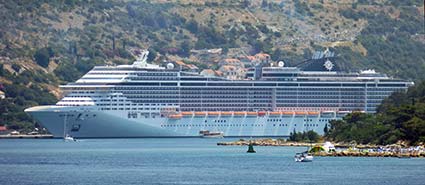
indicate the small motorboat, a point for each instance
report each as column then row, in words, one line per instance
column 303, row 157
column 68, row 138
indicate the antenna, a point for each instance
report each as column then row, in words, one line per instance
column 281, row 64
column 170, row 66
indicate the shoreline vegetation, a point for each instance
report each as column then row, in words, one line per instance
column 22, row 136
column 396, row 130
column 341, row 149
column 399, row 118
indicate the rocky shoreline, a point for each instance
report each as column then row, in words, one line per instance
column 342, row 149
column 369, row 154
column 281, row 142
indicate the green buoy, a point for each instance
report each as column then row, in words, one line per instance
column 250, row 148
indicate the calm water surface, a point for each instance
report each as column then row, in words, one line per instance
column 188, row 161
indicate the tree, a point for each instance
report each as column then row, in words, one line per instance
column 312, row 136
column 192, row 26
column 42, row 56
column 264, row 4
column 277, row 54
column 152, row 55
column 245, row 3
column 325, row 130
column 185, row 47
column 2, row 73
column 398, row 119
column 292, row 135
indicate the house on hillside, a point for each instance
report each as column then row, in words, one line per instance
column 232, row 72
column 262, row 58
column 186, row 67
column 247, row 59
column 3, row 130
column 210, row 73
column 231, row 62
column 259, row 58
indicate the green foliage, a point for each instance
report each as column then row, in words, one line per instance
column 309, row 136
column 2, row 72
column 302, row 8
column 20, row 97
column 405, row 3
column 152, row 55
column 185, row 48
column 389, row 43
column 192, row 26
column 398, row 118
column 326, row 129
column 67, row 72
column 42, row 56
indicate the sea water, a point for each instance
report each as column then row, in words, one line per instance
column 188, row 161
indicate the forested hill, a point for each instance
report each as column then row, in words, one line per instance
column 45, row 43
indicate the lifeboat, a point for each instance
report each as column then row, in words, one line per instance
column 313, row 113
column 287, row 113
column 239, row 113
column 200, row 113
column 261, row 113
column 300, row 113
column 226, row 113
column 274, row 113
column 187, row 113
column 213, row 113
column 175, row 116
column 342, row 113
column 251, row 113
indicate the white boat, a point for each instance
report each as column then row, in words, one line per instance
column 208, row 134
column 68, row 138
column 303, row 157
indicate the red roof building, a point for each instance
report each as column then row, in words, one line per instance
column 3, row 128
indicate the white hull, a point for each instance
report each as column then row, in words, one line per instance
column 88, row 122
column 304, row 159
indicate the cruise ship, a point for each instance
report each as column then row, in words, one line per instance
column 147, row 100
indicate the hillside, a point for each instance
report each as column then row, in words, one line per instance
column 47, row 43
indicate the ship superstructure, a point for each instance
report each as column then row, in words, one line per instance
column 146, row 100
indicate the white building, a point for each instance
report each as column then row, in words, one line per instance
column 2, row 95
